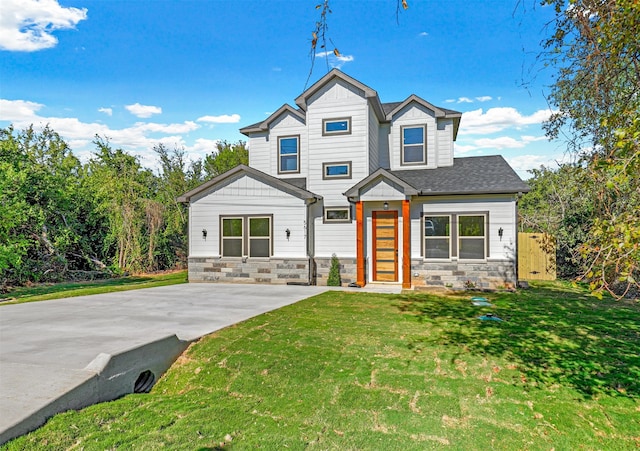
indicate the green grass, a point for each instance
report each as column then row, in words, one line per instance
column 44, row 292
column 358, row 371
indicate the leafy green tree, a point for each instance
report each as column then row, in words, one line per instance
column 176, row 177
column 226, row 156
column 122, row 187
column 595, row 51
column 44, row 227
column 560, row 204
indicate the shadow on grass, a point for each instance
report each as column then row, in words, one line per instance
column 555, row 336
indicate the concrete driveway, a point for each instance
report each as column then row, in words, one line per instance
column 58, row 354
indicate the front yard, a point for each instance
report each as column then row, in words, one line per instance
column 383, row 372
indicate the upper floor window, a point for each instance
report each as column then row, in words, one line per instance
column 341, row 126
column 339, row 170
column 413, row 145
column 288, row 154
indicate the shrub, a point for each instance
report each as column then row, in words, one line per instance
column 334, row 273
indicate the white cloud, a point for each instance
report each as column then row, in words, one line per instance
column 464, row 100
column 79, row 135
column 450, row 100
column 143, row 111
column 498, row 119
column 185, row 127
column 483, row 98
column 16, row 110
column 335, row 61
column 222, row 119
column 424, row 33
column 107, row 111
column 27, row 25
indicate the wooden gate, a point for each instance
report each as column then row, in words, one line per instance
column 536, row 256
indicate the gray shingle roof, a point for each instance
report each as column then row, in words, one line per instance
column 300, row 182
column 469, row 175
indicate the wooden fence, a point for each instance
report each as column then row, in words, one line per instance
column 536, row 256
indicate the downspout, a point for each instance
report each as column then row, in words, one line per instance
column 310, row 249
column 515, row 245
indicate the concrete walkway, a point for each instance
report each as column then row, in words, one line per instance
column 61, row 354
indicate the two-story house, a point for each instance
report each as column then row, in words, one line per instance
column 374, row 183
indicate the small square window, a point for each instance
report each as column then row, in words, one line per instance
column 337, row 214
column 341, row 126
column 337, row 170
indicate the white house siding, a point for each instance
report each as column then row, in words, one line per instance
column 383, row 146
column 285, row 125
column 374, row 152
column 260, row 156
column 337, row 100
column 445, row 142
column 497, row 270
column 336, row 238
column 245, row 195
column 413, row 115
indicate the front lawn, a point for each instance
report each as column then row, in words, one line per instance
column 359, row 371
column 48, row 291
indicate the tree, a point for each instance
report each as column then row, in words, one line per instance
column 595, row 52
column 560, row 204
column 227, row 156
column 45, row 209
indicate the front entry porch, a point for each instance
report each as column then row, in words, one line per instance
column 383, row 235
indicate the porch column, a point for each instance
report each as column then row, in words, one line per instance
column 406, row 244
column 360, row 279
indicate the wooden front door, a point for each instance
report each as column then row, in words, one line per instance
column 385, row 246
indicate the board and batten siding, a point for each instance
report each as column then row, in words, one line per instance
column 247, row 196
column 501, row 210
column 413, row 115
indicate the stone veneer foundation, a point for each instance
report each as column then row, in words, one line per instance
column 455, row 275
column 249, row 270
column 488, row 275
column 348, row 270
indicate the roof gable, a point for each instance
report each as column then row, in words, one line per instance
column 391, row 109
column 370, row 94
column 258, row 175
column 264, row 125
column 379, row 176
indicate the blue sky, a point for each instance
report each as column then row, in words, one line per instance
column 189, row 73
